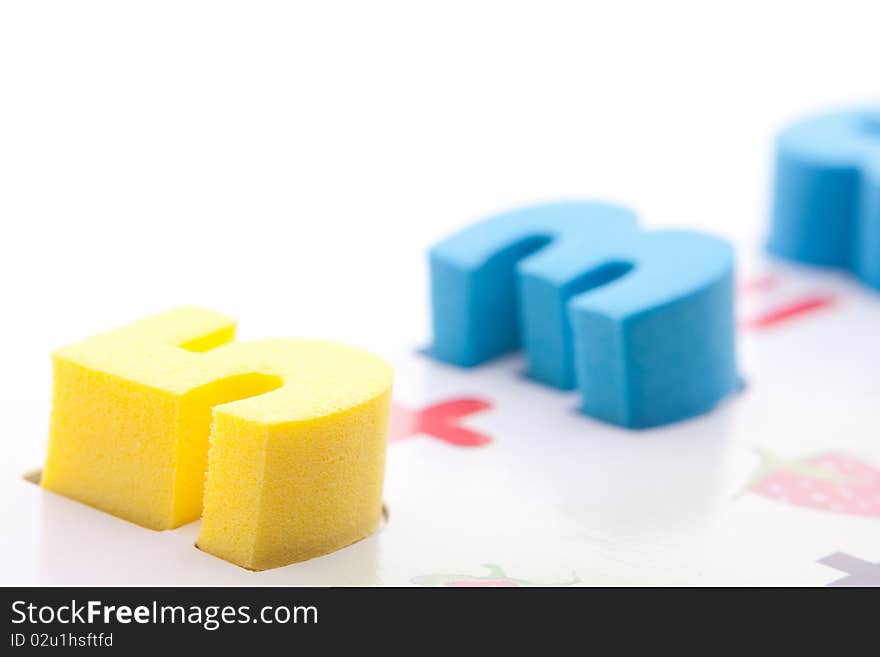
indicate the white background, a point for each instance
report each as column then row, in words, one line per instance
column 289, row 163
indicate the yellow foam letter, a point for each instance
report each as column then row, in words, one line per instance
column 297, row 435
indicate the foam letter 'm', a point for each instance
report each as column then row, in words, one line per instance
column 297, row 432
column 642, row 322
column 826, row 200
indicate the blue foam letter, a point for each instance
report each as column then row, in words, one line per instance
column 641, row 322
column 826, row 201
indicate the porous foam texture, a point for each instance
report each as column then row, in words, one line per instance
column 641, row 322
column 291, row 433
column 826, row 195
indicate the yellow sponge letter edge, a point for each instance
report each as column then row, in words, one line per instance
column 297, row 432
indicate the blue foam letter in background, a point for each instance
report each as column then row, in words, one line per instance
column 826, row 200
column 641, row 322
